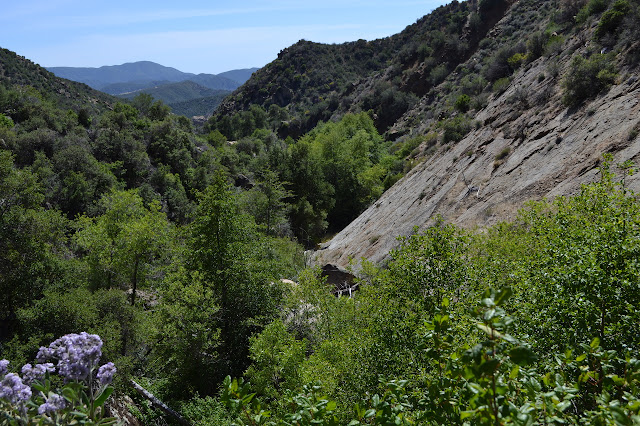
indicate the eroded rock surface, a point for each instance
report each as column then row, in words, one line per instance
column 526, row 146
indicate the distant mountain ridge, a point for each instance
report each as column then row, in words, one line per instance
column 148, row 72
column 187, row 93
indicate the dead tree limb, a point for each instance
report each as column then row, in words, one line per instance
column 159, row 404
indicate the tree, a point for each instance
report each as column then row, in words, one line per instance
column 227, row 269
column 266, row 201
column 30, row 241
column 123, row 243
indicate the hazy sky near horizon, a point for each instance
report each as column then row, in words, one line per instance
column 195, row 36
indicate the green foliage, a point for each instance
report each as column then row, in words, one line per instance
column 566, row 274
column 516, row 60
column 587, row 77
column 591, row 8
column 30, row 240
column 6, row 122
column 612, row 18
column 227, row 289
column 123, row 243
column 500, row 86
column 462, row 103
column 429, row 266
column 456, row 128
column 588, row 261
column 536, row 45
column 266, row 202
column 276, row 360
column 241, row 403
column 335, row 173
column 390, row 408
column 205, row 411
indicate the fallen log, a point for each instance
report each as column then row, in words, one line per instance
column 159, row 404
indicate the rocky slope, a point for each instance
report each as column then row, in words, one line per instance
column 526, row 145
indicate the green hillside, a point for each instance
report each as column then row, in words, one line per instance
column 315, row 81
column 174, row 92
column 16, row 70
column 142, row 255
column 204, row 106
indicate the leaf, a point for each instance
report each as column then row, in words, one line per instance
column 503, row 296
column 522, row 355
column 595, row 343
column 514, row 372
column 466, row 414
column 103, row 396
column 491, row 332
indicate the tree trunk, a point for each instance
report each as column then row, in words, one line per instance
column 134, row 282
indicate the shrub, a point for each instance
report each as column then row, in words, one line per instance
column 456, row 128
column 536, row 44
column 586, row 78
column 5, row 121
column 501, row 85
column 462, row 103
column 516, row 60
column 438, row 74
column 612, row 18
column 591, row 8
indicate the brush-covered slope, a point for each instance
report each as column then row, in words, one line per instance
column 387, row 76
column 17, row 71
column 540, row 133
column 175, row 92
column 199, row 107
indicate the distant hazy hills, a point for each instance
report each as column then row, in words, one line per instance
column 170, row 85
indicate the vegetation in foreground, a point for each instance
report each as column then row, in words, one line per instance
column 120, row 220
column 530, row 322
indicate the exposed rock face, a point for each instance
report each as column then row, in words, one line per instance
column 527, row 146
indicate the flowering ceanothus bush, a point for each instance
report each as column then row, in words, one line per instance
column 30, row 399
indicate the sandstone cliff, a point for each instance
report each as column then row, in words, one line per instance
column 526, row 145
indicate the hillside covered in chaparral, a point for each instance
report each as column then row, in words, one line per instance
column 439, row 227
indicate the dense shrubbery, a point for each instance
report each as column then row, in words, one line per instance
column 612, row 18
column 555, row 342
column 587, row 77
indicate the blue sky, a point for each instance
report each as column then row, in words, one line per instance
column 192, row 36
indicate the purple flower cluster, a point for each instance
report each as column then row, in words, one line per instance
column 34, row 373
column 105, row 373
column 13, row 390
column 4, row 364
column 53, row 403
column 77, row 354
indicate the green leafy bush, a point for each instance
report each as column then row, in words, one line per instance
column 587, row 77
column 501, row 85
column 6, row 122
column 612, row 18
column 462, row 103
column 455, row 128
column 591, row 8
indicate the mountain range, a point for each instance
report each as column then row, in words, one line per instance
column 174, row 87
